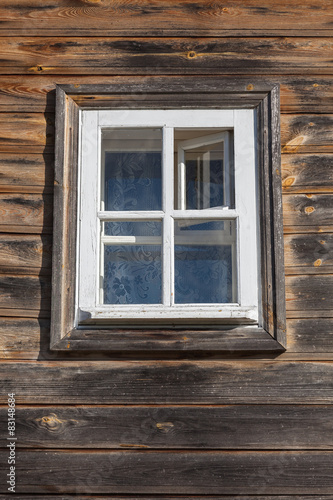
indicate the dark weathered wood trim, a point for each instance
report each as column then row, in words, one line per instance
column 64, row 220
column 70, row 99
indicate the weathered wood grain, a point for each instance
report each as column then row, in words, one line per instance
column 25, row 253
column 34, row 93
column 172, row 497
column 108, row 55
column 32, row 131
column 307, row 210
column 24, row 173
column 308, row 293
column 167, row 472
column 167, row 382
column 25, row 292
column 308, row 253
column 307, row 173
column 310, row 335
column 24, row 337
column 165, row 17
column 277, row 303
column 21, row 211
column 315, row 313
column 306, row 133
column 260, row 427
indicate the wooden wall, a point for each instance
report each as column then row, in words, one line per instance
column 195, row 426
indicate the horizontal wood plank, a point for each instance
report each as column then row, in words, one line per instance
column 165, row 17
column 23, row 252
column 26, row 130
column 307, row 133
column 34, row 93
column 171, row 472
column 25, row 292
column 109, row 55
column 23, row 210
column 306, row 313
column 307, row 173
column 24, row 337
column 24, row 173
column 240, row 427
column 172, row 497
column 309, row 293
column 167, row 382
column 310, row 335
column 307, row 210
column 308, row 253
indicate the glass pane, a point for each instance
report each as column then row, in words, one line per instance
column 205, row 176
column 205, row 262
column 133, row 228
column 132, row 262
column 132, row 274
column 132, row 166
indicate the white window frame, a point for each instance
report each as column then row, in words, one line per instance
column 241, row 121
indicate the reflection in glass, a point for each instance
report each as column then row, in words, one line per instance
column 204, row 177
column 204, row 169
column 205, row 264
column 132, row 169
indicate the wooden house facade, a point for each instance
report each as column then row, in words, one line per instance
column 154, row 413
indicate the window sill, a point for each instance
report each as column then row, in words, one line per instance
column 232, row 340
column 230, row 313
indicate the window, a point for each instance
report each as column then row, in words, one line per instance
column 170, row 206
column 166, row 219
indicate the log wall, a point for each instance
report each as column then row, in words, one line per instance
column 126, row 426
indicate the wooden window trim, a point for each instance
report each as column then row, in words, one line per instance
column 265, row 100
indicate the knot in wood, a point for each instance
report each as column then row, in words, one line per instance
column 52, row 423
column 191, row 54
column 164, row 426
column 289, row 181
column 309, row 210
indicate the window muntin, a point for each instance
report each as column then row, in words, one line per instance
column 233, row 255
